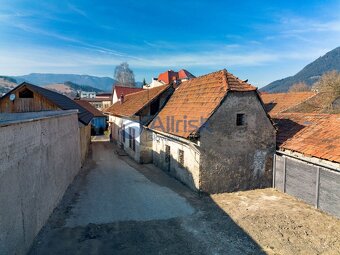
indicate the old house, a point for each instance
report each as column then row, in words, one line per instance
column 30, row 98
column 99, row 120
column 214, row 135
column 129, row 116
column 170, row 76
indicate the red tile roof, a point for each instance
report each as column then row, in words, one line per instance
column 121, row 90
column 279, row 102
column 195, row 101
column 316, row 135
column 89, row 107
column 171, row 75
column 135, row 102
column 184, row 74
column 168, row 76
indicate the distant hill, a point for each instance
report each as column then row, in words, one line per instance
column 309, row 74
column 41, row 79
column 6, row 84
column 70, row 89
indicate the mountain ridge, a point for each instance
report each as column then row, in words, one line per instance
column 309, row 74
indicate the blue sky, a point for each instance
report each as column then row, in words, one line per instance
column 256, row 40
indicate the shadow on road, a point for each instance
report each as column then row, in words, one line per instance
column 206, row 230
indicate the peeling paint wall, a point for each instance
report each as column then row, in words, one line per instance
column 189, row 172
column 235, row 157
column 39, row 158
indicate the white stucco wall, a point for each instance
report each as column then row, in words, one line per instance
column 189, row 174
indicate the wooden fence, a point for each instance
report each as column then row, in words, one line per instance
column 316, row 185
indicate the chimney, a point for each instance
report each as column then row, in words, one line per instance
column 121, row 98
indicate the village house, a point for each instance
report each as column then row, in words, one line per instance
column 170, row 76
column 30, row 98
column 101, row 101
column 129, row 116
column 215, row 136
column 99, row 120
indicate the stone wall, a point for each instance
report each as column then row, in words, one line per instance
column 39, row 157
column 235, row 158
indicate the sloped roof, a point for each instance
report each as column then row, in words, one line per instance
column 89, row 107
column 184, row 74
column 168, row 76
column 61, row 101
column 195, row 101
column 135, row 102
column 317, row 104
column 121, row 90
column 315, row 135
column 279, row 102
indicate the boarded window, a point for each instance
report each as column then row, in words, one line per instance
column 26, row 93
column 132, row 138
column 240, row 119
column 167, row 153
column 181, row 158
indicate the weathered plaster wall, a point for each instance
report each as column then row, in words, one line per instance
column 38, row 160
column 146, row 146
column 85, row 140
column 237, row 157
column 189, row 174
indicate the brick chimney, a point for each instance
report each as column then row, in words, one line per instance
column 121, row 98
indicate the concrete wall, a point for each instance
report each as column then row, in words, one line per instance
column 84, row 140
column 235, row 157
column 39, row 157
column 189, row 173
column 312, row 183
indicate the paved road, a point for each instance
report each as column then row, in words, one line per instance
column 116, row 206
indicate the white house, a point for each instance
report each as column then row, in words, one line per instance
column 129, row 115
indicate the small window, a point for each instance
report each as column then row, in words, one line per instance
column 240, row 119
column 26, row 93
column 167, row 153
column 181, row 158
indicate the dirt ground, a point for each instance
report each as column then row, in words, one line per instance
column 116, row 206
column 281, row 224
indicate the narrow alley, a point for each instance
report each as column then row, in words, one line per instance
column 116, row 206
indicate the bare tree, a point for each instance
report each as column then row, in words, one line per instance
column 124, row 75
column 299, row 87
column 329, row 86
column 329, row 82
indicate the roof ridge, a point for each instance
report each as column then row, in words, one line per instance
column 292, row 106
column 145, row 90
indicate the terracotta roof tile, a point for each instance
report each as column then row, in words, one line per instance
column 121, row 90
column 134, row 102
column 194, row 101
column 279, row 102
column 316, row 135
